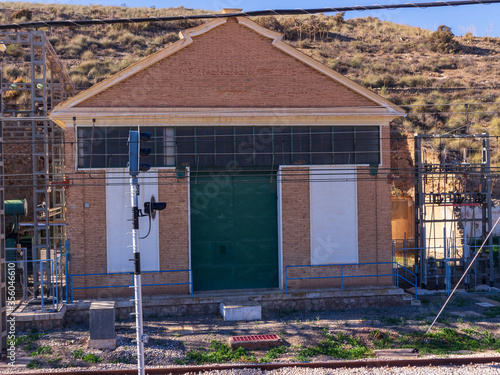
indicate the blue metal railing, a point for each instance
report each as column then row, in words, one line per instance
column 395, row 273
column 72, row 288
column 51, row 279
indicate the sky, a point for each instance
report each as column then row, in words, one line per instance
column 480, row 20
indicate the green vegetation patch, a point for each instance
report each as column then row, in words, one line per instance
column 338, row 346
column 217, row 353
column 41, row 350
column 273, row 354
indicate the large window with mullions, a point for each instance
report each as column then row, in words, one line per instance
column 260, row 146
column 229, row 146
column 107, row 147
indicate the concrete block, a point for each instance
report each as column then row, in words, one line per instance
column 102, row 325
column 247, row 310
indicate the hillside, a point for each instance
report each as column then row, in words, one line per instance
column 432, row 74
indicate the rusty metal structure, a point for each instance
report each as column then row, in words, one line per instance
column 48, row 85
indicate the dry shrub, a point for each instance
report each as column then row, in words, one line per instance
column 442, row 40
column 23, row 14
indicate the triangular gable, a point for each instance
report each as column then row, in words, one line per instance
column 232, row 63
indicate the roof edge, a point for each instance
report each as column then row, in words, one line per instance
column 184, row 41
column 295, row 53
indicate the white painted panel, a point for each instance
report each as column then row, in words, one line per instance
column 334, row 215
column 280, row 229
column 119, row 226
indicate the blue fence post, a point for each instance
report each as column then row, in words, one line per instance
column 54, row 299
column 66, row 249
column 341, row 278
column 41, row 283
column 286, row 279
column 416, row 288
column 191, row 281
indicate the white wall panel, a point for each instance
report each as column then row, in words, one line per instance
column 334, row 215
column 119, row 226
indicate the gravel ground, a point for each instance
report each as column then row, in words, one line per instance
column 171, row 338
column 455, row 370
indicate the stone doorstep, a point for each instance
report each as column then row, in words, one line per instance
column 396, row 353
column 255, row 342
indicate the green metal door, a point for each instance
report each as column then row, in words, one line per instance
column 234, row 231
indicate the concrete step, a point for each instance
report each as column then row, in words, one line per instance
column 411, row 298
column 240, row 310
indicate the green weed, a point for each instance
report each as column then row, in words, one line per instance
column 34, row 364
column 78, row 353
column 338, row 346
column 92, row 358
column 492, row 312
column 273, row 354
column 217, row 353
column 45, row 349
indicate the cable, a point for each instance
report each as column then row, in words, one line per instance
column 463, row 276
column 149, row 230
column 270, row 12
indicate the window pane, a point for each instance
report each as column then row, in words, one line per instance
column 321, row 145
column 117, row 147
column 263, row 146
column 184, row 138
column 91, row 147
column 343, row 145
column 244, row 145
column 367, row 144
column 282, row 145
column 224, row 146
column 168, row 147
column 301, row 146
column 205, row 156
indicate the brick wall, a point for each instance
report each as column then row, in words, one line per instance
column 295, row 213
column 173, row 226
column 86, row 228
column 374, row 215
column 236, row 67
column 374, row 226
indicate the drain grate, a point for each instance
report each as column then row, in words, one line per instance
column 255, row 341
column 255, row 338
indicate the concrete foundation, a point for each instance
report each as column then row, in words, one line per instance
column 240, row 310
column 102, row 325
column 208, row 303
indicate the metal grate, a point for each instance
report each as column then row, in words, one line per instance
column 255, row 338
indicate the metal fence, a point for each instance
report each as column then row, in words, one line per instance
column 40, row 283
column 398, row 273
column 72, row 288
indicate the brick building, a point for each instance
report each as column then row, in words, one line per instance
column 265, row 158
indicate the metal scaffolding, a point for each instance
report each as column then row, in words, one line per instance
column 49, row 84
column 447, row 187
column 3, row 266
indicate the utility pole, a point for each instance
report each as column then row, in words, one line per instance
column 134, row 168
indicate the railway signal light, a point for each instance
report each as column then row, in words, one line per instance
column 136, row 151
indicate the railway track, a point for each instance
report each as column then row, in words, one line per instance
column 419, row 362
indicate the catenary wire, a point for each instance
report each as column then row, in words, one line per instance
column 269, row 12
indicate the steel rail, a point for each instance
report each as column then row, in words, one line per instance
column 416, row 362
column 268, row 12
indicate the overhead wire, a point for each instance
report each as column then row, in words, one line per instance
column 269, row 12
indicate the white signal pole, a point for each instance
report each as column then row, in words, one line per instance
column 134, row 168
